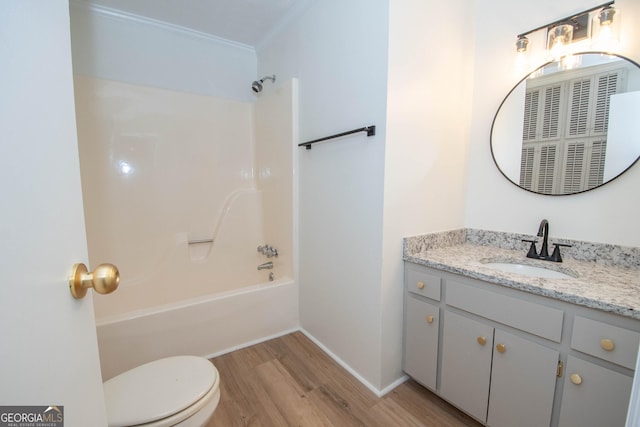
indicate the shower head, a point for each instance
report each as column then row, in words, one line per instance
column 256, row 86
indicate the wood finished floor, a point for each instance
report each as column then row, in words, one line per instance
column 289, row 381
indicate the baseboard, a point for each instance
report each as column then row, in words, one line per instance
column 250, row 343
column 338, row 360
column 393, row 385
column 353, row 372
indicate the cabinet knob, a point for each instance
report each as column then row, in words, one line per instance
column 420, row 285
column 607, row 344
column 429, row 319
column 576, row 379
column 501, row 348
column 482, row 340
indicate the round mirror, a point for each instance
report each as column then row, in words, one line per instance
column 571, row 125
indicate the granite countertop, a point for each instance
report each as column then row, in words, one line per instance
column 606, row 277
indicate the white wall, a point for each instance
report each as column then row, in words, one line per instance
column 608, row 214
column 359, row 197
column 129, row 49
column 337, row 49
column 428, row 112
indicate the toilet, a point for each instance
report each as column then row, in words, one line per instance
column 176, row 391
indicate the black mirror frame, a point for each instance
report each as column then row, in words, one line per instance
column 495, row 117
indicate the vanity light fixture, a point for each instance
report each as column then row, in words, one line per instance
column 522, row 60
column 558, row 38
column 606, row 15
column 564, row 32
column 521, row 44
column 605, row 30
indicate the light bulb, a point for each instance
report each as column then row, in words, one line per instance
column 559, row 37
column 605, row 30
column 570, row 61
column 522, row 62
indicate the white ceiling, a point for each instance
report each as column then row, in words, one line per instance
column 243, row 21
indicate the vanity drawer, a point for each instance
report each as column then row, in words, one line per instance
column 612, row 343
column 420, row 282
column 540, row 320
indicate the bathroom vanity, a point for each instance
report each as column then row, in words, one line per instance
column 515, row 349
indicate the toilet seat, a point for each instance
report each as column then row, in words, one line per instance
column 161, row 393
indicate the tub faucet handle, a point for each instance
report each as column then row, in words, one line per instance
column 268, row 250
column 555, row 256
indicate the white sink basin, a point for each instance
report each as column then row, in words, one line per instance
column 528, row 270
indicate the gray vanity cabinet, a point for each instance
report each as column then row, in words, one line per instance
column 523, row 382
column 512, row 358
column 515, row 376
column 497, row 377
column 593, row 396
column 597, row 395
column 421, row 326
column 466, row 364
column 421, row 341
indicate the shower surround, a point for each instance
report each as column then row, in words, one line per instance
column 179, row 191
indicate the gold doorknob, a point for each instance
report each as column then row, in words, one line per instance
column 576, row 379
column 104, row 279
column 607, row 344
column 420, row 285
column 429, row 319
column 482, row 340
column 501, row 348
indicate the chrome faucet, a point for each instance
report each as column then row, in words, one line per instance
column 266, row 266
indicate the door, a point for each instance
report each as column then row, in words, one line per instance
column 523, row 382
column 594, row 395
column 48, row 347
column 421, row 341
column 466, row 364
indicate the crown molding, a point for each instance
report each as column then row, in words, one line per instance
column 122, row 16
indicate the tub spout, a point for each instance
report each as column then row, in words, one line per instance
column 266, row 266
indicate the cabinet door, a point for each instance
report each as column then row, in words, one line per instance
column 421, row 341
column 466, row 364
column 523, row 381
column 593, row 396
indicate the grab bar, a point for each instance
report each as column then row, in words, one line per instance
column 197, row 242
column 225, row 210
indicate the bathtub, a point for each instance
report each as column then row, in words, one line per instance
column 206, row 326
